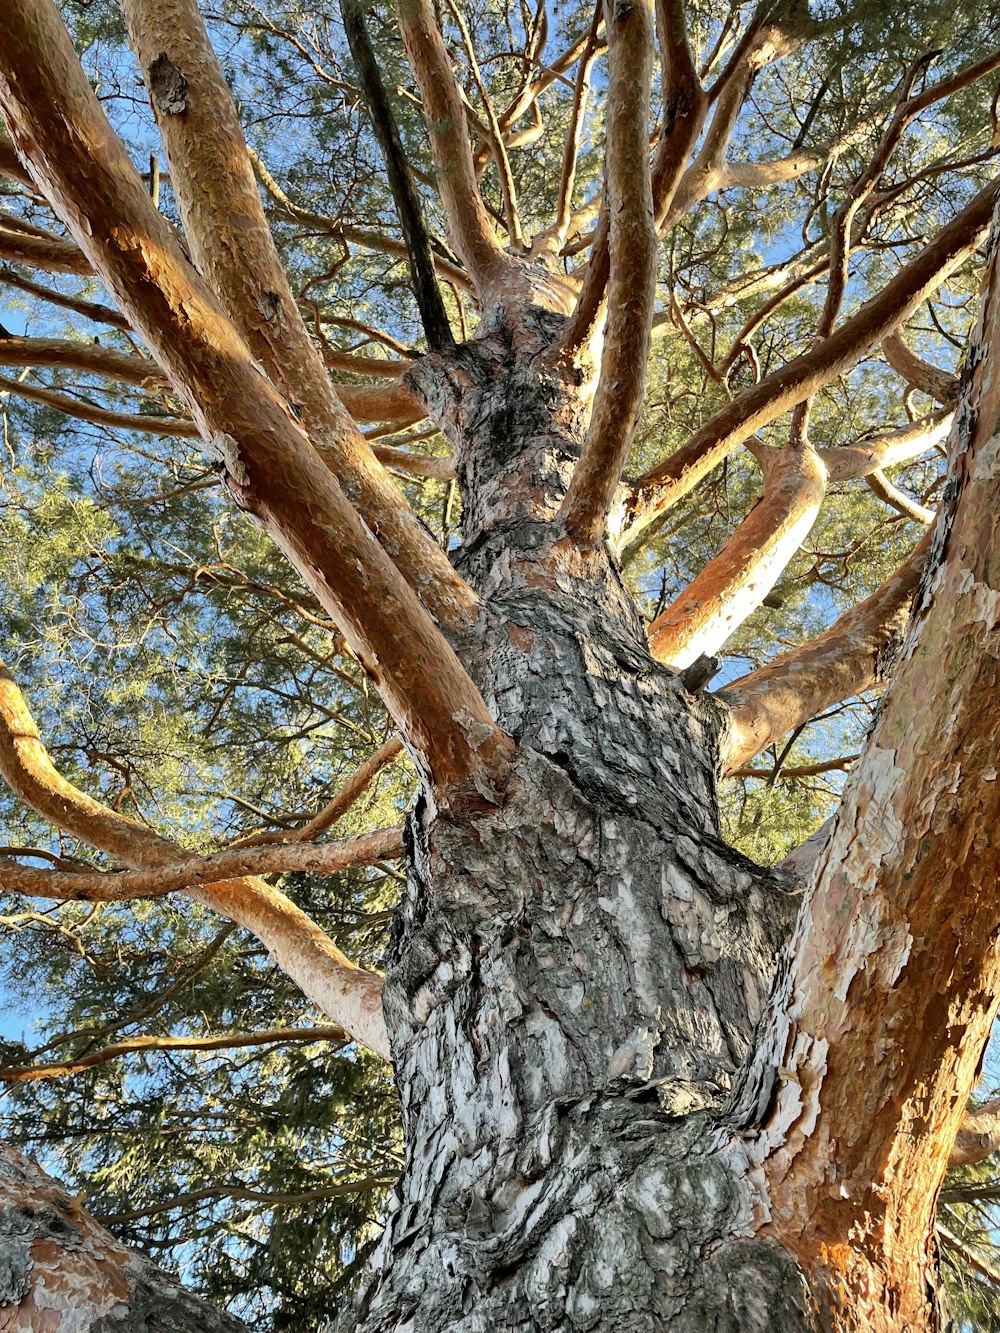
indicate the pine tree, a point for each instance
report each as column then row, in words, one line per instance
column 636, row 307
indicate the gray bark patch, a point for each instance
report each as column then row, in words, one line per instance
column 168, row 86
column 15, row 1269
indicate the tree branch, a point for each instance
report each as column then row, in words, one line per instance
column 140, row 1045
column 239, row 1192
column 216, row 191
column 848, row 462
column 800, row 378
column 733, row 585
column 894, row 967
column 468, row 222
column 430, row 304
column 89, row 357
column 978, row 1136
column 854, row 654
column 101, row 416
column 75, row 1267
column 100, row 314
column 632, row 282
column 938, row 384
column 344, row 992
column 118, row 886
column 268, row 463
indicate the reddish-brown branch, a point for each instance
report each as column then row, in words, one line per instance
column 142, row 1045
column 214, row 184
column 116, row 886
column 851, row 461
column 89, row 357
column 50, row 253
column 804, row 375
column 941, row 385
column 978, row 1136
column 854, row 654
column 880, row 485
column 268, row 462
column 86, row 1278
column 733, row 585
column 346, row 993
column 684, row 105
column 101, row 314
column 632, row 280
column 101, row 416
column 469, row 225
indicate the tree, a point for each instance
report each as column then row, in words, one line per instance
column 645, row 1080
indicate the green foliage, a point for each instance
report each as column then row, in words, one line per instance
column 179, row 671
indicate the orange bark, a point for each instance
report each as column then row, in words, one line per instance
column 854, row 654
column 632, row 279
column 800, row 378
column 733, row 585
column 894, row 968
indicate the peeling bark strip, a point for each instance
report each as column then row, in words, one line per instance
column 279, row 477
column 894, row 968
column 61, row 1271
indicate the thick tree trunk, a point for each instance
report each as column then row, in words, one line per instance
column 576, row 975
column 61, row 1272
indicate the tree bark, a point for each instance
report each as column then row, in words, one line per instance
column 574, row 977
column 61, row 1271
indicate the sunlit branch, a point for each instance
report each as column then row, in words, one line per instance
column 977, row 1138
column 895, row 918
column 74, row 355
column 117, row 886
column 632, row 280
column 801, row 377
column 941, row 385
column 49, row 253
column 269, row 465
column 346, row 993
column 850, row 461
column 231, row 242
column 145, row 1045
column 470, row 228
column 683, row 107
column 734, row 584
column 880, row 485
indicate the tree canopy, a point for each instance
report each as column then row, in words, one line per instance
column 808, row 163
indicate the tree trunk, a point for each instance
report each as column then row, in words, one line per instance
column 574, row 976
column 61, row 1272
